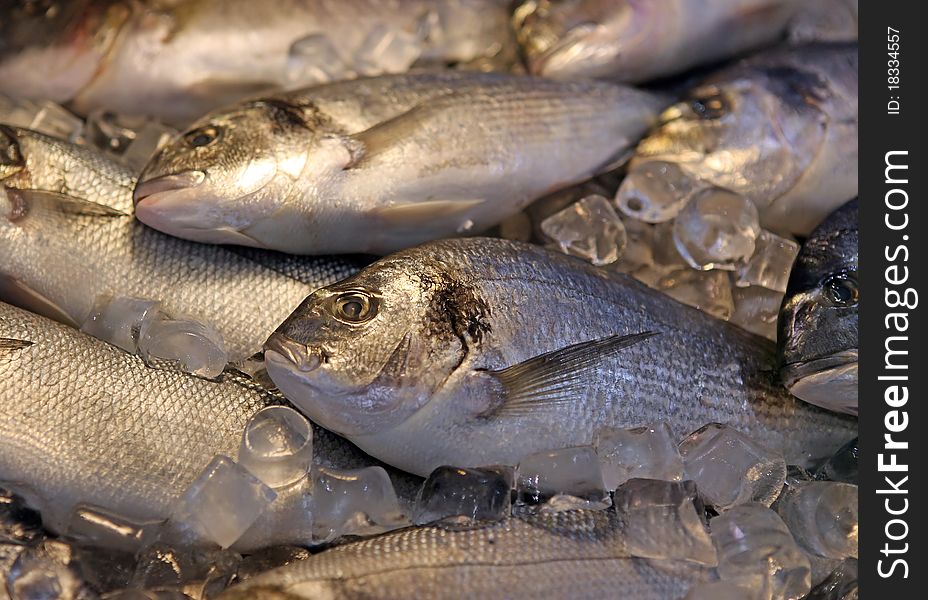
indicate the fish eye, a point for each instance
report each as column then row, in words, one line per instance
column 710, row 107
column 840, row 289
column 354, row 307
column 202, row 136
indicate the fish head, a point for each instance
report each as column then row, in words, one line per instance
column 219, row 180
column 818, row 324
column 753, row 135
column 363, row 355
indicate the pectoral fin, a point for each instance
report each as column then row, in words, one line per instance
column 15, row 292
column 556, row 377
column 31, row 199
column 415, row 215
column 10, row 345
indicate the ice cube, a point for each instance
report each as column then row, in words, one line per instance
column 19, row 524
column 755, row 548
column 269, row 558
column 49, row 570
column 840, row 585
column 664, row 520
column 121, row 320
column 731, row 469
column 655, row 191
column 354, row 502
column 771, row 263
column 277, row 446
column 720, row 590
column 103, row 569
column 477, row 494
column 222, row 503
column 96, row 526
column 53, row 120
column 645, row 452
column 197, row 572
column 149, row 138
column 716, row 229
column 709, row 291
column 562, row 479
column 756, row 310
column 110, row 132
column 589, row 229
column 387, row 50
column 823, row 517
column 314, row 59
column 638, row 254
column 198, row 348
column 843, row 465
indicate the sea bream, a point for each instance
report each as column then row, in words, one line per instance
column 779, row 129
column 177, row 59
column 378, row 164
column 818, row 322
column 480, row 351
column 68, row 236
column 84, row 422
column 575, row 554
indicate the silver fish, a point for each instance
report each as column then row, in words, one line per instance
column 100, row 427
column 479, row 351
column 67, row 235
column 817, row 335
column 638, row 40
column 375, row 165
column 779, row 128
column 576, row 554
column 178, row 59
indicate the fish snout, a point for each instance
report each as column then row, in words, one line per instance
column 166, row 186
column 300, row 355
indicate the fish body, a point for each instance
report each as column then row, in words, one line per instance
column 378, row 164
column 818, row 321
column 639, row 40
column 177, row 60
column 778, row 128
column 67, row 236
column 100, row 427
column 575, row 554
column 478, row 351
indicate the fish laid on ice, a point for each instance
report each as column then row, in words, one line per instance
column 67, row 236
column 778, row 128
column 480, row 351
column 817, row 335
column 379, row 164
column 176, row 60
column 575, row 554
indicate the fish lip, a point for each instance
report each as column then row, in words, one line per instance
column 301, row 356
column 151, row 188
column 794, row 371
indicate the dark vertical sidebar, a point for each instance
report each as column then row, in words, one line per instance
column 893, row 266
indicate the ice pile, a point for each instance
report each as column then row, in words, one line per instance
column 730, row 469
column 47, row 570
column 823, row 517
column 197, row 572
column 139, row 325
column 563, row 479
column 483, row 494
column 354, row 502
column 641, row 452
column 841, row 584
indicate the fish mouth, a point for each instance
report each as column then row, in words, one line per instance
column 829, row 382
column 151, row 189
column 301, row 356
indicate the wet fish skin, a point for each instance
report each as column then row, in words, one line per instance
column 378, row 164
column 416, row 359
column 576, row 554
column 818, row 322
column 779, row 128
column 57, row 261
column 178, row 60
column 103, row 428
column 638, row 40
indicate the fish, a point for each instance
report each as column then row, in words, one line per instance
column 817, row 333
column 82, row 422
column 68, row 236
column 178, row 60
column 640, row 40
column 825, row 21
column 574, row 554
column 779, row 128
column 480, row 351
column 378, row 164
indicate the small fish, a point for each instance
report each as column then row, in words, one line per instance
column 817, row 335
column 177, row 60
column 638, row 40
column 576, row 554
column 480, row 351
column 67, row 236
column 379, row 164
column 777, row 128
column 83, row 422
